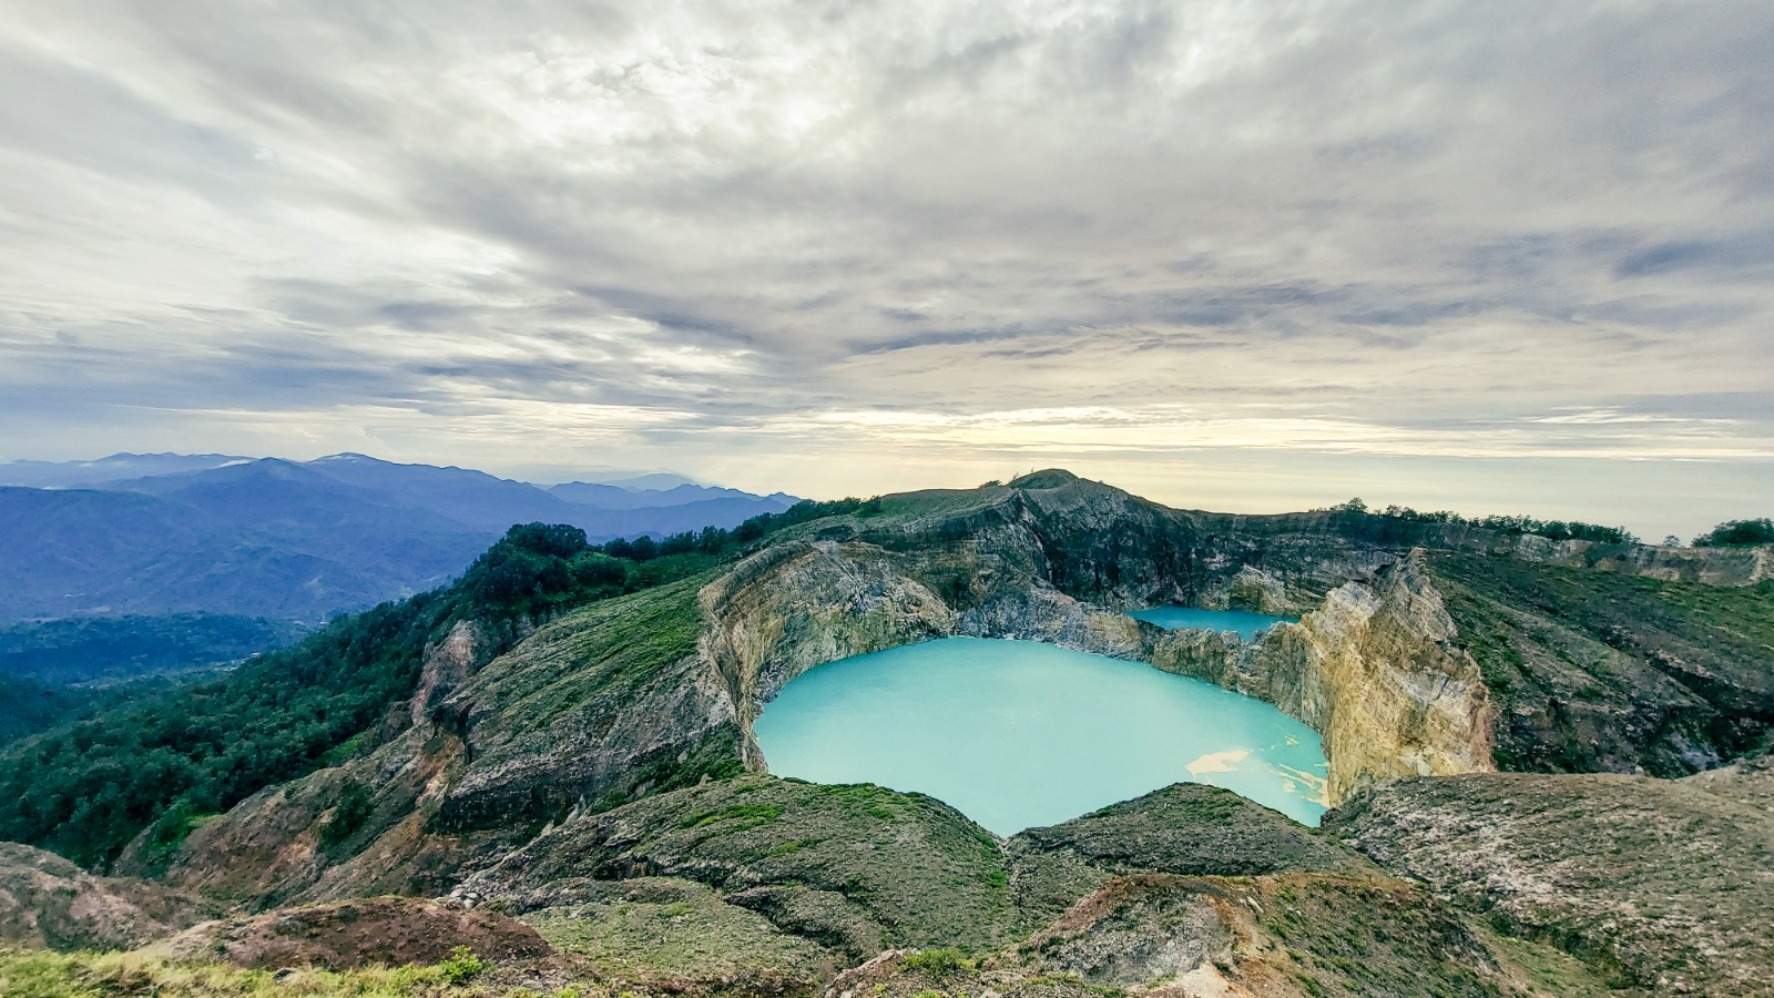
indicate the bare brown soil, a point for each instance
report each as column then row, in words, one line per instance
column 347, row 935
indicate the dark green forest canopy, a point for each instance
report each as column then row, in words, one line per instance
column 1557, row 530
column 1737, row 533
column 70, row 650
column 32, row 706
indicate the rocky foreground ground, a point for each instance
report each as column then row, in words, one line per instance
column 1493, row 884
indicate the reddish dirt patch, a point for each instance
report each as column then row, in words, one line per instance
column 391, row 931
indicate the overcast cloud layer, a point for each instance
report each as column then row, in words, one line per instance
column 1223, row 252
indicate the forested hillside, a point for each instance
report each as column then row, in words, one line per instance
column 177, row 755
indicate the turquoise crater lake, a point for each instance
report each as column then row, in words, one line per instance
column 1017, row 734
column 1245, row 624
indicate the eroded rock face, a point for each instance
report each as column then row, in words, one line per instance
column 798, row 605
column 295, row 842
column 447, row 666
column 46, row 901
column 594, row 709
column 1402, row 699
column 1743, row 566
column 1375, row 670
column 290, row 843
column 1141, row 929
column 1664, row 880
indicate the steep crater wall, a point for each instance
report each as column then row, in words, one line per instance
column 1373, row 668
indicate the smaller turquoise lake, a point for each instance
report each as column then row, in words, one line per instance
column 1018, row 734
column 1241, row 622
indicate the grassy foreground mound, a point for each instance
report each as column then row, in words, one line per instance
column 1192, row 829
column 856, row 867
column 764, row 884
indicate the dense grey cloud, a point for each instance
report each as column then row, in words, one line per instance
column 846, row 246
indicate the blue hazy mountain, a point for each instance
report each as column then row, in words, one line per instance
column 73, row 474
column 605, row 496
column 291, row 540
column 651, row 481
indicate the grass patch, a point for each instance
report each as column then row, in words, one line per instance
column 42, row 974
column 739, row 815
column 674, row 930
column 464, row 965
column 938, row 962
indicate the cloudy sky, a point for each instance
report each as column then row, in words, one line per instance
column 1490, row 255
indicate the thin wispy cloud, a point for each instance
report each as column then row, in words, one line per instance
column 793, row 240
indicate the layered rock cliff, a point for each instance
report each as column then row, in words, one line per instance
column 1375, row 669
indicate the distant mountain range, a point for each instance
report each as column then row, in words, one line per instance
column 117, row 467
column 173, row 533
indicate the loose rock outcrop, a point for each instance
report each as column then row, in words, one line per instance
column 1666, row 884
column 386, row 931
column 48, row 902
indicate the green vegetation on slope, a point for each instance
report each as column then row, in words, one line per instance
column 1193, row 828
column 41, row 974
column 665, row 931
column 601, row 696
column 1602, row 671
column 115, row 660
column 85, row 790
